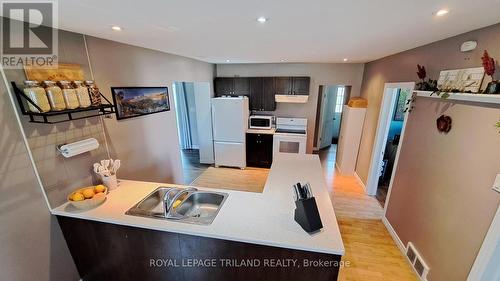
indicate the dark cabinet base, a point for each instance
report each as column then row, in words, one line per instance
column 103, row 251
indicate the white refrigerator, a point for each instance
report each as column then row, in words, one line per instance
column 230, row 123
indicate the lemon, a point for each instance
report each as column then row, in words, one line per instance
column 99, row 188
column 176, row 203
column 77, row 196
column 88, row 193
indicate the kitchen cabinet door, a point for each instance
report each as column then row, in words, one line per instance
column 252, row 150
column 259, row 150
column 283, row 85
column 266, row 146
column 268, row 93
column 223, row 86
column 256, row 91
column 241, row 86
column 300, row 85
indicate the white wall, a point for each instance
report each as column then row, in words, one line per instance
column 148, row 145
column 320, row 73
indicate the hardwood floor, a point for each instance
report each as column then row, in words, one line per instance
column 369, row 248
column 191, row 167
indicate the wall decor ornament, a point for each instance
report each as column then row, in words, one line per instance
column 467, row 80
column 443, row 124
column 489, row 68
column 429, row 85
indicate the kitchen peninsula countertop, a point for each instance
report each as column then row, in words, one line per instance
column 258, row 218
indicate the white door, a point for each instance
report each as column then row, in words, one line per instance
column 328, row 116
column 204, row 121
column 228, row 120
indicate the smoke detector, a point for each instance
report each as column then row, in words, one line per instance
column 468, row 46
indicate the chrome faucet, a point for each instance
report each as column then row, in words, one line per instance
column 168, row 201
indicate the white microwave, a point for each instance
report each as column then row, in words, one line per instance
column 261, row 122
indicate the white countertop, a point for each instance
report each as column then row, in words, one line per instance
column 262, row 131
column 260, row 218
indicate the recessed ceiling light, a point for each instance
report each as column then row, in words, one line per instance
column 261, row 19
column 228, row 60
column 282, row 60
column 442, row 12
column 116, row 28
column 345, row 59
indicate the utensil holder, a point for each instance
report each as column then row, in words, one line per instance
column 110, row 182
column 307, row 215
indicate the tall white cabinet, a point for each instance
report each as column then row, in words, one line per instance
column 349, row 139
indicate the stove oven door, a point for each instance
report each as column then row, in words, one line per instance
column 289, row 143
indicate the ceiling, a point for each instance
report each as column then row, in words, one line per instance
column 297, row 30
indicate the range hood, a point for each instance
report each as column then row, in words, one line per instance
column 291, row 98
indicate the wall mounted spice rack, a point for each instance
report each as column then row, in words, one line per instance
column 63, row 115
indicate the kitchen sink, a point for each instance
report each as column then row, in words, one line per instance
column 194, row 206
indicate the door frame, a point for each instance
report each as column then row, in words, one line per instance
column 484, row 266
column 384, row 121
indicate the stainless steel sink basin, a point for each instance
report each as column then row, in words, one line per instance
column 201, row 207
column 196, row 207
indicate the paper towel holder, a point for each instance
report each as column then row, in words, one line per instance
column 75, row 148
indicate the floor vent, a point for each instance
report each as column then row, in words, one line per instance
column 417, row 262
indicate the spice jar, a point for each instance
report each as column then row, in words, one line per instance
column 37, row 95
column 55, row 96
column 82, row 93
column 69, row 95
column 95, row 95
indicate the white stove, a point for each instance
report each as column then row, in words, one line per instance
column 290, row 135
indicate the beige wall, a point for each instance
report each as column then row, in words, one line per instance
column 320, row 73
column 148, row 146
column 31, row 243
column 441, row 198
column 402, row 67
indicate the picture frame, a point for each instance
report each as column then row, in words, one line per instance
column 399, row 111
column 139, row 101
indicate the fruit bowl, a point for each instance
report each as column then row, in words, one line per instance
column 88, row 197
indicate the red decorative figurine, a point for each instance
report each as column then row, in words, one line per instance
column 489, row 68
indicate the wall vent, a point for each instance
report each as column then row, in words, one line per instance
column 417, row 261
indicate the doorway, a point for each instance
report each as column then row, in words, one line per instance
column 331, row 100
column 194, row 127
column 387, row 145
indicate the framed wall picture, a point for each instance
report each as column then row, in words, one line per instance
column 137, row 101
column 399, row 111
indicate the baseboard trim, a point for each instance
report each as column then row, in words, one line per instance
column 400, row 244
column 360, row 181
column 394, row 236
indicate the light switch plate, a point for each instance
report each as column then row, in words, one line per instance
column 496, row 185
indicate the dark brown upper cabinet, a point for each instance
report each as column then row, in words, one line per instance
column 262, row 94
column 300, row 85
column 241, row 86
column 283, row 85
column 223, row 86
column 268, row 93
column 232, row 86
column 261, row 90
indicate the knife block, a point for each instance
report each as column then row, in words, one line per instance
column 307, row 215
